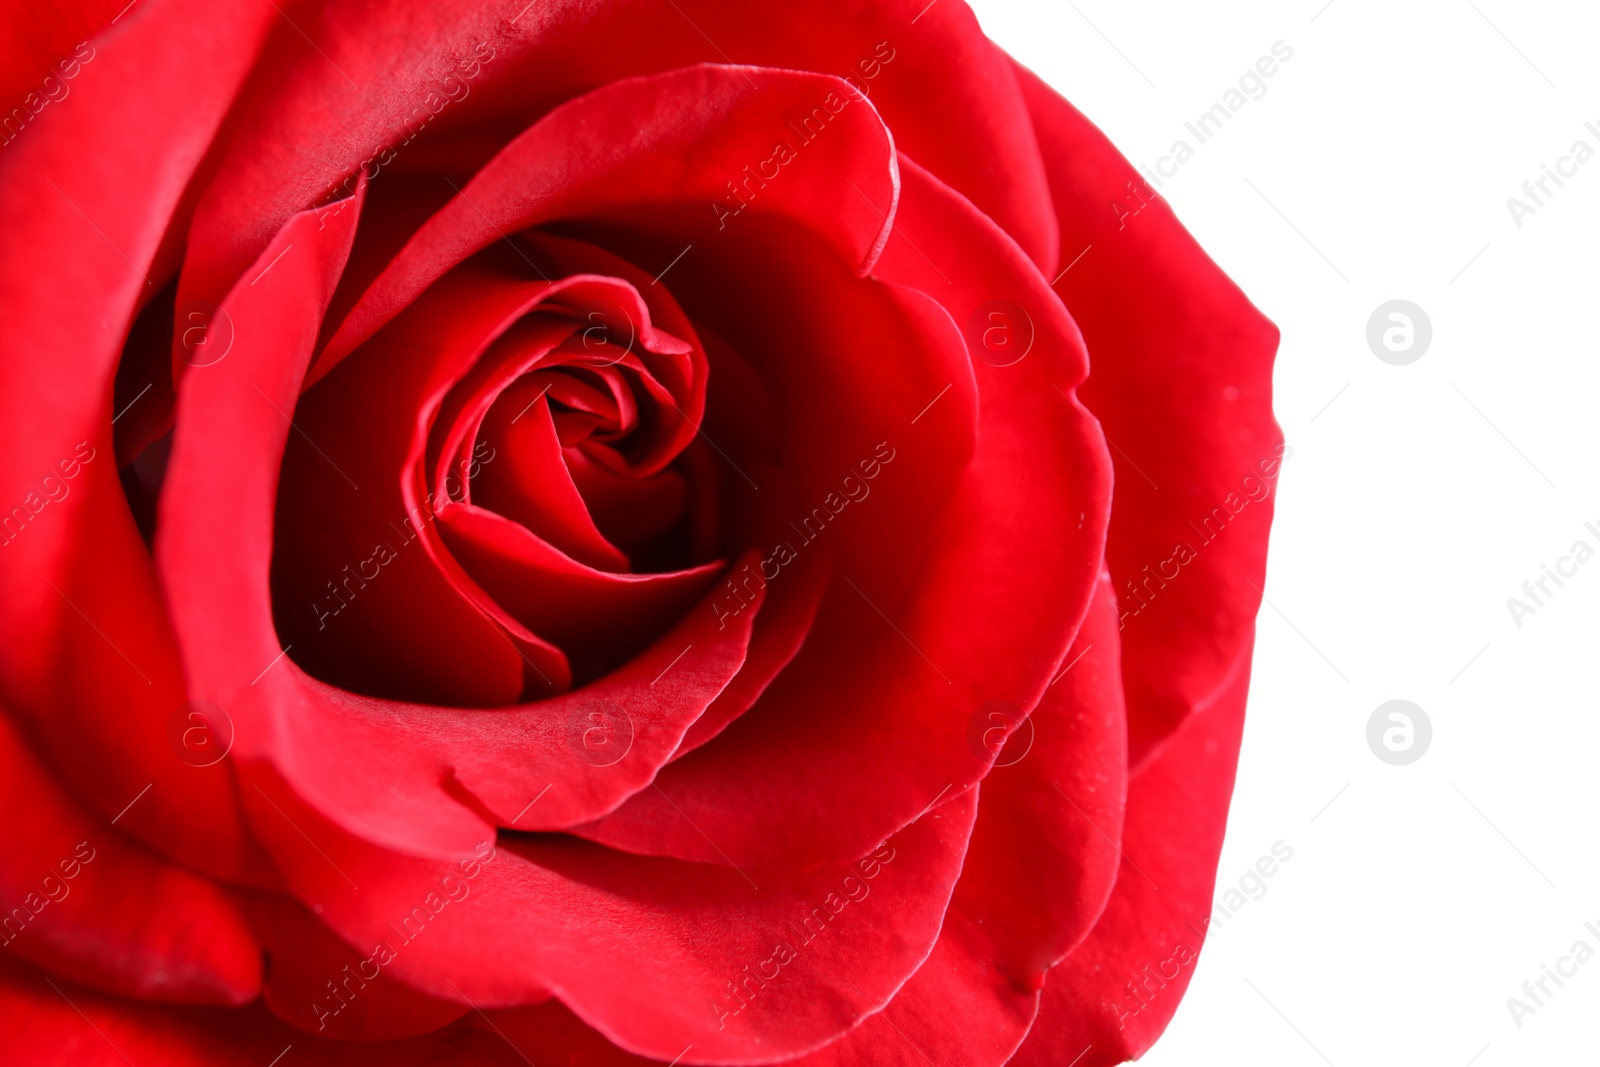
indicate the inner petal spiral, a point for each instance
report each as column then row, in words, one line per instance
column 522, row 443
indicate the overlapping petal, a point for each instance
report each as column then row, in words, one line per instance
column 747, row 965
column 85, row 903
column 617, row 529
column 1116, row 993
column 57, row 1024
column 82, row 627
column 1183, row 385
column 801, row 778
column 439, row 89
column 1041, row 866
column 385, row 769
column 631, row 153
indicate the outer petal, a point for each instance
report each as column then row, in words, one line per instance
column 1112, row 998
column 435, row 781
column 748, row 966
column 89, row 905
column 1037, row 874
column 326, row 987
column 1182, row 383
column 37, row 43
column 366, row 76
column 82, row 628
column 1040, row 868
column 69, row 1026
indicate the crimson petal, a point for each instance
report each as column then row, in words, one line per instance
column 504, row 926
column 91, row 906
column 1183, row 385
column 630, row 143
column 318, row 735
column 69, row 1026
column 832, row 758
column 82, row 626
column 325, row 100
column 324, row 986
column 1116, row 993
column 1038, row 872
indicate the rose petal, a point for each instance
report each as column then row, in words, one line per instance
column 1116, row 993
column 632, row 143
column 388, row 770
column 324, row 986
column 395, row 773
column 504, row 926
column 364, row 76
column 787, row 616
column 1040, row 868
column 37, row 43
column 68, row 1026
column 833, row 757
column 82, row 627
column 533, row 485
column 88, row 905
column 1183, row 384
column 843, row 385
column 600, row 618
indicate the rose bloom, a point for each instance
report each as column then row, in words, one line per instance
column 603, row 532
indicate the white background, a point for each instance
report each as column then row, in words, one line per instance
column 1418, row 499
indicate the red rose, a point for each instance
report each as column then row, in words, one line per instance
column 578, row 532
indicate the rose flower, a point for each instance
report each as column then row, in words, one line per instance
column 603, row 532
